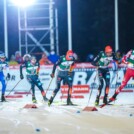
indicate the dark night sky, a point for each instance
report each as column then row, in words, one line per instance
column 92, row 26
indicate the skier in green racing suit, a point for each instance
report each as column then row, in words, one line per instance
column 32, row 71
column 64, row 72
column 102, row 60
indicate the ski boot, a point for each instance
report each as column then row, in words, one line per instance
column 97, row 101
column 34, row 99
column 45, row 98
column 3, row 99
column 69, row 102
column 105, row 100
column 50, row 101
column 113, row 98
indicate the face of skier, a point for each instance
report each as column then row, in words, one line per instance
column 69, row 55
column 108, row 54
column 2, row 59
column 108, row 51
column 33, row 61
column 27, row 58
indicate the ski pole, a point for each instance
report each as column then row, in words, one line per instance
column 28, row 92
column 116, row 83
column 92, row 89
column 49, row 85
column 13, row 87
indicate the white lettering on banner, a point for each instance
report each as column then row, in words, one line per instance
column 93, row 79
column 75, row 89
column 113, row 77
column 120, row 76
column 79, row 78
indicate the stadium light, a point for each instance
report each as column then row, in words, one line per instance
column 23, row 3
column 69, row 24
column 116, row 25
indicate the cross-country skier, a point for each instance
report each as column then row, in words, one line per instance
column 103, row 59
column 129, row 60
column 26, row 58
column 64, row 72
column 3, row 64
column 32, row 71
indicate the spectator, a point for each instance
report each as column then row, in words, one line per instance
column 118, row 55
column 18, row 57
column 90, row 57
column 53, row 57
column 12, row 61
column 44, row 60
column 75, row 56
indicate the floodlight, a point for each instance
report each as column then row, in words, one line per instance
column 23, row 3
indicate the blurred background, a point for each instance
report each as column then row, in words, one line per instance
column 93, row 27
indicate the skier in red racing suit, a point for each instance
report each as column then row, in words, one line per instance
column 129, row 60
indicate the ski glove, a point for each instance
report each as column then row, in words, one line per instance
column 52, row 75
column 21, row 76
column 8, row 76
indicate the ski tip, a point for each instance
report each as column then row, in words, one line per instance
column 103, row 105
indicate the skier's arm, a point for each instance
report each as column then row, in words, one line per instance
column 21, row 73
column 38, row 69
column 71, row 69
column 72, row 66
column 55, row 65
column 96, row 59
column 124, row 59
column 7, row 69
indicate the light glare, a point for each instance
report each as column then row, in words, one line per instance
column 23, row 3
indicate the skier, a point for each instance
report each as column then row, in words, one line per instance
column 103, row 59
column 128, row 59
column 32, row 71
column 26, row 58
column 64, row 72
column 3, row 64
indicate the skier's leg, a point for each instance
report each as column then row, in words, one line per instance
column 101, row 83
column 39, row 85
column 3, row 88
column 33, row 93
column 33, row 89
column 58, row 82
column 69, row 81
column 126, row 78
column 107, row 81
column 31, row 81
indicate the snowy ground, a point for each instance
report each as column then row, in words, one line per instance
column 61, row 119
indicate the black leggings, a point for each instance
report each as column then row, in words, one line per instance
column 103, row 75
column 34, row 81
column 66, row 78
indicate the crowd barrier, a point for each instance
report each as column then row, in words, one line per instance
column 84, row 74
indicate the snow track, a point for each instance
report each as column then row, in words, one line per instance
column 60, row 119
